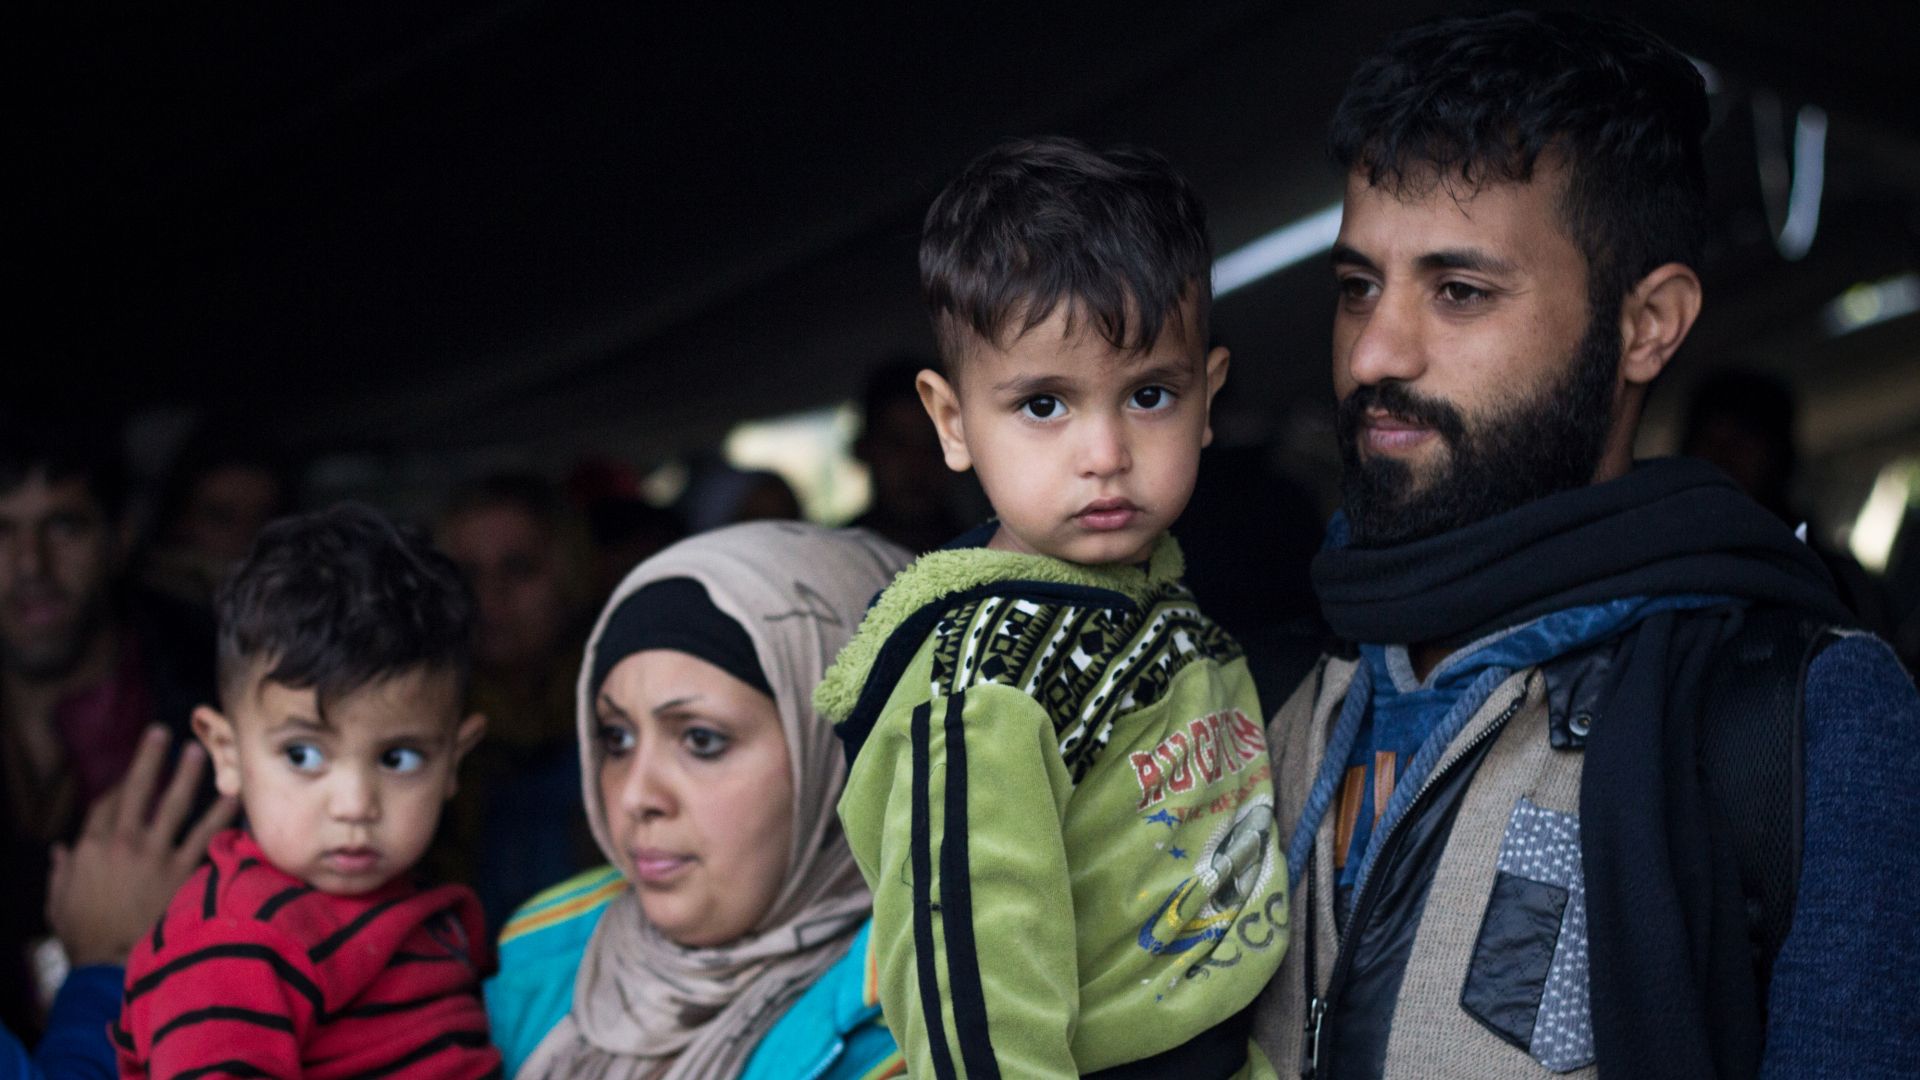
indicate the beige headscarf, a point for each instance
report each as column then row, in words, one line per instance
column 643, row 1007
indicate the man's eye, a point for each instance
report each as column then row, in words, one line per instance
column 1356, row 288
column 1459, row 292
column 704, row 742
column 1042, row 407
column 615, row 740
column 305, row 757
column 1152, row 398
column 402, row 760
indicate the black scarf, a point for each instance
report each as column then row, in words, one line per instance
column 1672, row 979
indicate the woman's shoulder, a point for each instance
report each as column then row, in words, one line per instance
column 834, row 1031
column 563, row 914
column 540, row 950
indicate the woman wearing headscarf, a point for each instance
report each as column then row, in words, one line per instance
column 729, row 936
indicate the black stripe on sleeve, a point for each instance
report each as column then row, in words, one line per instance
column 956, row 909
column 159, row 926
column 286, row 972
column 279, row 900
column 387, row 1008
column 922, row 857
column 207, row 909
column 345, row 934
column 230, row 1067
column 471, row 1040
column 273, row 1021
column 120, row 1037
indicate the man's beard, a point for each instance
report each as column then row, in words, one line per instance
column 1525, row 450
column 54, row 657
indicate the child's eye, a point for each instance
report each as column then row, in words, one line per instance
column 402, row 759
column 1152, row 398
column 1042, row 407
column 704, row 742
column 305, row 757
column 615, row 740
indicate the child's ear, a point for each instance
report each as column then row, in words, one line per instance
column 215, row 732
column 1216, row 378
column 942, row 403
column 465, row 739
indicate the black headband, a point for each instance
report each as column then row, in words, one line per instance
column 676, row 613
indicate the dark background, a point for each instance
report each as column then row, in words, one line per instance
column 436, row 233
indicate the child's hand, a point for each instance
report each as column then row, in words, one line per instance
column 116, row 880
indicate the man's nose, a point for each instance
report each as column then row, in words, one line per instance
column 1388, row 342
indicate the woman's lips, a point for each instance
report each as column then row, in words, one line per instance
column 654, row 867
column 1105, row 515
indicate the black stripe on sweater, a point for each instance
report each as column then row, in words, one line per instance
column 470, row 1040
column 931, row 1007
column 387, row 1008
column 230, row 1067
column 207, row 908
column 211, row 1013
column 279, row 900
column 345, row 934
column 288, row 974
column 956, row 908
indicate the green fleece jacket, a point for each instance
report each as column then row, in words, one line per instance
column 1061, row 797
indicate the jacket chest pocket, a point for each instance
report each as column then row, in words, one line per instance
column 1527, row 978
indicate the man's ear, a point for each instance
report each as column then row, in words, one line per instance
column 215, row 732
column 1655, row 318
column 1217, row 358
column 942, row 403
column 464, row 740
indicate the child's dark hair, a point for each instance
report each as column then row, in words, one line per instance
column 1478, row 99
column 1117, row 235
column 339, row 599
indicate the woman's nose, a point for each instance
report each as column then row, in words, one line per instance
column 648, row 790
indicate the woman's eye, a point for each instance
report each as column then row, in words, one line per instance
column 1042, row 407
column 1459, row 292
column 1152, row 398
column 704, row 742
column 615, row 740
column 305, row 757
column 402, row 759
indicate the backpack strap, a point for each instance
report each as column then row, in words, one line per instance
column 1752, row 756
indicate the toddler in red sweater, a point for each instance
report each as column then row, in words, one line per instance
column 303, row 947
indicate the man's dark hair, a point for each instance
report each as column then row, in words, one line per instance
column 63, row 448
column 1478, row 100
column 339, row 599
column 1035, row 223
column 537, row 497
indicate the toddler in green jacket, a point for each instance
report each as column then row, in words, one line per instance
column 1059, row 790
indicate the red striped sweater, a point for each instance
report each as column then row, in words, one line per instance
column 253, row 973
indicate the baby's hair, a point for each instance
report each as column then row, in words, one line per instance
column 339, row 599
column 1117, row 235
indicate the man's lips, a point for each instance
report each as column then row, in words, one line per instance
column 37, row 612
column 654, row 866
column 1387, row 432
column 1103, row 515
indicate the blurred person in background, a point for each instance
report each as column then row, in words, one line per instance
column 1746, row 424
column 912, row 503
column 221, row 491
column 719, row 494
column 524, row 552
column 87, row 663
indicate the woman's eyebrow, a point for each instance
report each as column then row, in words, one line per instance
column 674, row 705
column 607, row 705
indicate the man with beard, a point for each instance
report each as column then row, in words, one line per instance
column 1605, row 784
column 85, row 667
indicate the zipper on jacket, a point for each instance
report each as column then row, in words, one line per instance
column 1364, row 896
